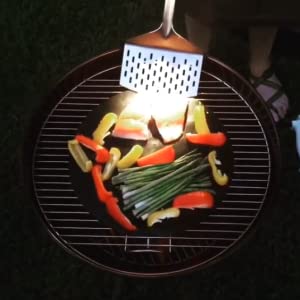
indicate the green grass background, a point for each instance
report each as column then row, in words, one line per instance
column 40, row 41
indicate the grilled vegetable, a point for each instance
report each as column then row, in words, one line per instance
column 220, row 179
column 131, row 129
column 170, row 119
column 133, row 120
column 79, row 156
column 87, row 142
column 102, row 193
column 115, row 212
column 102, row 155
column 190, row 116
column 201, row 126
column 110, row 201
column 110, row 166
column 103, row 127
column 162, row 156
column 158, row 216
column 131, row 157
column 136, row 108
column 149, row 188
column 209, row 139
column 199, row 199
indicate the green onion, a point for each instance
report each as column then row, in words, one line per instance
column 147, row 189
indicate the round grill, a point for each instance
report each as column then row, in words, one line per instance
column 255, row 166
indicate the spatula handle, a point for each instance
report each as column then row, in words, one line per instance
column 167, row 23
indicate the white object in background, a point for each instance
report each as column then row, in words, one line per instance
column 296, row 127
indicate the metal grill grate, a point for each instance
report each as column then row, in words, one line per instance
column 223, row 92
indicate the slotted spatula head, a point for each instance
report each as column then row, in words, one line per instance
column 162, row 61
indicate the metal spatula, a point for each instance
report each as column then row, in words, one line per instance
column 162, row 61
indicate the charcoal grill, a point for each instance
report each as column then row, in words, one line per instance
column 255, row 151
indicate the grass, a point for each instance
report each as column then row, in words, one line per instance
column 41, row 41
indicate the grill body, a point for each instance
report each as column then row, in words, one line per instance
column 255, row 151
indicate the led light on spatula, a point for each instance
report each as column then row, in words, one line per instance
column 162, row 61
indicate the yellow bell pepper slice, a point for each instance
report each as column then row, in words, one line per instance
column 201, row 125
column 79, row 156
column 158, row 216
column 220, row 179
column 103, row 127
column 131, row 157
column 110, row 166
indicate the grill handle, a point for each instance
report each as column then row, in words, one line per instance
column 167, row 24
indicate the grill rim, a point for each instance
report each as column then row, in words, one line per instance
column 42, row 113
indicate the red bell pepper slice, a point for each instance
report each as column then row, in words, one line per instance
column 164, row 155
column 102, row 154
column 210, row 139
column 103, row 194
column 110, row 201
column 115, row 212
column 87, row 142
column 198, row 199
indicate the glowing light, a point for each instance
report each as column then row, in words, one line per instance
column 167, row 111
column 167, row 106
column 138, row 108
column 156, row 105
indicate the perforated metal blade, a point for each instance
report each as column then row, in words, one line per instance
column 162, row 61
column 160, row 71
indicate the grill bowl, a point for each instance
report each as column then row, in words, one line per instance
column 255, row 170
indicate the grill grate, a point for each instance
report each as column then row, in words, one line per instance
column 248, row 128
